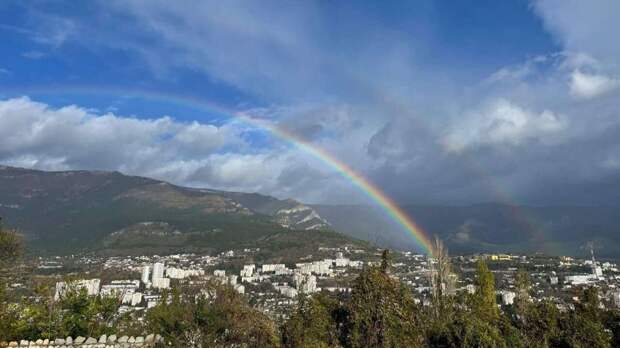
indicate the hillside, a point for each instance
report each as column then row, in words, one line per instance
column 76, row 210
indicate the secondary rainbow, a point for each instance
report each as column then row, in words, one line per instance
column 359, row 181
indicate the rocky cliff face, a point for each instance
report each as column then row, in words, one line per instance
column 300, row 216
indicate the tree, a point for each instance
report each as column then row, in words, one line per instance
column 484, row 304
column 522, row 303
column 583, row 327
column 219, row 316
column 467, row 331
column 540, row 325
column 386, row 261
column 312, row 324
column 382, row 312
column 11, row 246
column 442, row 280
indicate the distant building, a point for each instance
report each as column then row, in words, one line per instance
column 120, row 288
column 579, row 279
column 239, row 288
column 90, row 285
column 341, row 262
column 500, row 257
column 305, row 283
column 151, row 300
column 219, row 273
column 597, row 271
column 146, row 272
column 470, row 288
column 232, row 279
column 508, row 297
column 615, row 297
column 161, row 283
column 178, row 273
column 133, row 299
column 287, row 291
column 272, row 267
column 158, row 271
column 248, row 270
column 553, row 280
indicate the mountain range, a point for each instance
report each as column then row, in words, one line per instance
column 86, row 210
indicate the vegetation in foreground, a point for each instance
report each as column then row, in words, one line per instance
column 379, row 312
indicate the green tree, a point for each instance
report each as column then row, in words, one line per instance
column 312, row 324
column 522, row 300
column 190, row 317
column 386, row 261
column 11, row 248
column 476, row 320
column 583, row 327
column 382, row 312
column 539, row 324
column 467, row 331
column 484, row 303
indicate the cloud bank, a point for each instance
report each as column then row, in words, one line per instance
column 545, row 130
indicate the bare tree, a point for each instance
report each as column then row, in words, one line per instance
column 442, row 278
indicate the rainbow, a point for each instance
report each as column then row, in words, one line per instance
column 364, row 185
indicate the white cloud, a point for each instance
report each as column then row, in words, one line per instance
column 33, row 134
column 501, row 123
column 585, row 85
column 521, row 71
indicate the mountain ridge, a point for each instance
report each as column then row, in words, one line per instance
column 81, row 208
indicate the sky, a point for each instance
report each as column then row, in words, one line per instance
column 434, row 102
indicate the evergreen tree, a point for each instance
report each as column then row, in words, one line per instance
column 540, row 324
column 382, row 311
column 385, row 261
column 522, row 299
column 484, row 302
column 583, row 327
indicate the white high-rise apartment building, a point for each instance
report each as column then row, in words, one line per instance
column 146, row 272
column 158, row 271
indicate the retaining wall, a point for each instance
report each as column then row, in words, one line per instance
column 112, row 341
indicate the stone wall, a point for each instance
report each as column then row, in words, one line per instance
column 112, row 341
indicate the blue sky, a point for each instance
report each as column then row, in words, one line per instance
column 435, row 101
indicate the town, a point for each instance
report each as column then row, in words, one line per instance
column 273, row 288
